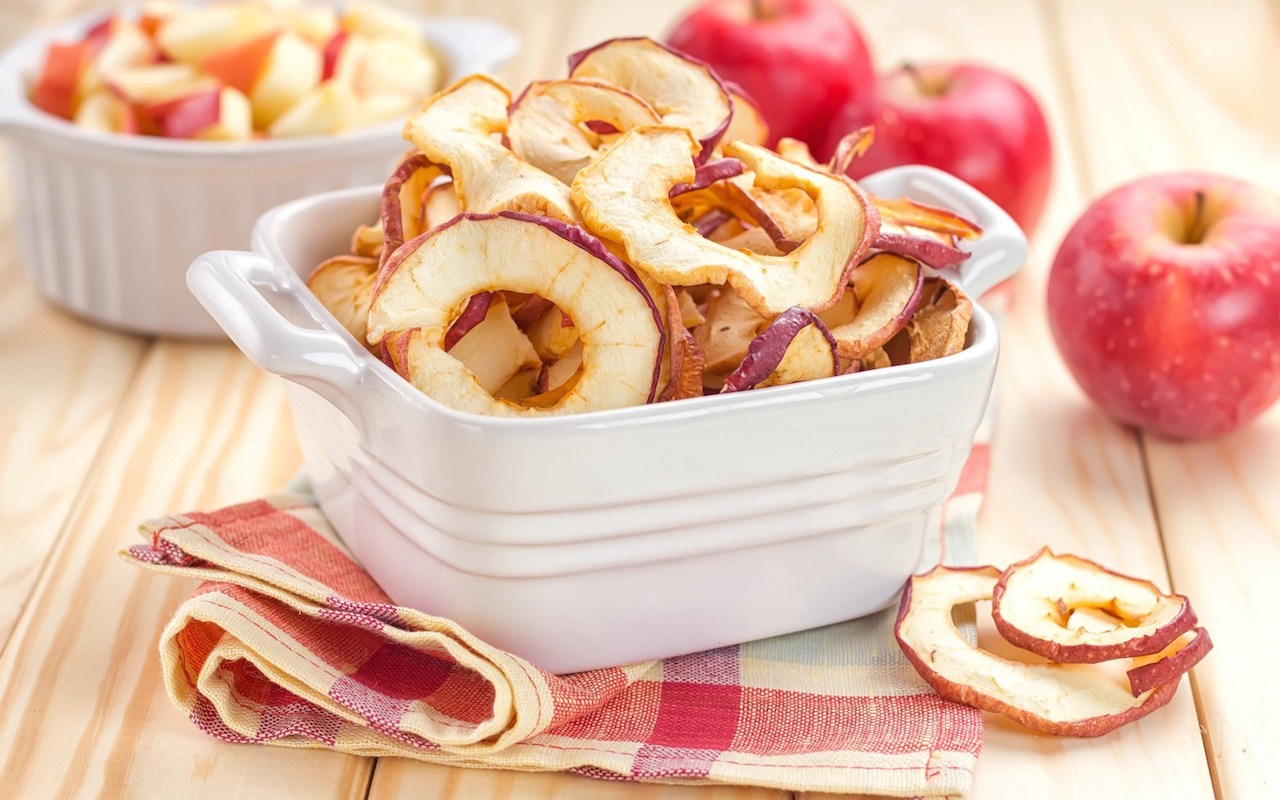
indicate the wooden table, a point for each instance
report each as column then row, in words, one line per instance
column 99, row 430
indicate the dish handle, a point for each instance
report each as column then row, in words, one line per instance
column 996, row 256
column 233, row 287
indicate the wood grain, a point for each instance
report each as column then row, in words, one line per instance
column 1190, row 79
column 82, row 706
column 63, row 382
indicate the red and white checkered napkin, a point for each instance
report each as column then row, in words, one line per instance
column 289, row 642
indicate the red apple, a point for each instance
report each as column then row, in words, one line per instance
column 801, row 60
column 1164, row 301
column 975, row 122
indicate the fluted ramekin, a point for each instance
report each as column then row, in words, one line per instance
column 107, row 223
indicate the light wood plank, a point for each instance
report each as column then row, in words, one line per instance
column 1061, row 474
column 63, row 383
column 82, row 708
column 1194, row 80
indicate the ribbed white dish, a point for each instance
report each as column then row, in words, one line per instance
column 620, row 536
column 108, row 223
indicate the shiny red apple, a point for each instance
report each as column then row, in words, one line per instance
column 801, row 60
column 1165, row 302
column 975, row 122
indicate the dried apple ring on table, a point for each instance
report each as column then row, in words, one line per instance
column 548, row 129
column 624, row 196
column 684, row 91
column 455, row 129
column 1115, row 615
column 431, row 279
column 1061, row 699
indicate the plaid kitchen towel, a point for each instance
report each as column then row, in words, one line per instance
column 289, row 642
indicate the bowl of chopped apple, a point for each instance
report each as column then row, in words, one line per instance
column 141, row 139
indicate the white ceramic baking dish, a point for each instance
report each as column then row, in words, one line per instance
column 108, row 223
column 619, row 536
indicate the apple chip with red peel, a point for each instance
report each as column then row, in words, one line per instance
column 344, row 285
column 888, row 290
column 684, row 378
column 907, row 213
column 924, row 248
column 707, row 174
column 795, row 347
column 852, row 145
column 402, row 199
column 748, row 123
column 798, row 152
column 455, row 129
column 1165, row 668
column 440, row 205
column 550, row 336
column 843, row 312
column 624, row 197
column 937, row 329
column 1060, row 699
column 494, row 350
column 548, row 128
column 477, row 311
column 684, row 91
column 1034, row 600
column 426, row 285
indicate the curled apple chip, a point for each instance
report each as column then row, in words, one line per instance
column 907, row 213
column 1034, row 603
column 748, row 123
column 684, row 91
column 1060, row 699
column 548, row 123
column 854, row 144
column 707, row 174
column 403, row 214
column 795, row 347
column 440, row 205
column 798, row 152
column 728, row 329
column 684, row 356
column 494, row 350
column 455, row 128
column 624, row 196
column 937, row 328
column 552, row 334
column 368, row 241
column 888, row 290
column 429, row 279
column 344, row 285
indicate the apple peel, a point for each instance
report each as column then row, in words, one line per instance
column 1061, row 699
column 1034, row 598
column 888, row 289
column 795, row 347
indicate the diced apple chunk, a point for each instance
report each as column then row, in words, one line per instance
column 326, row 109
column 193, row 34
column 291, row 70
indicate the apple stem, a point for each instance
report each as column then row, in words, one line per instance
column 757, row 10
column 1195, row 234
column 925, row 86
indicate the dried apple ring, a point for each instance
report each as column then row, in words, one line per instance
column 546, row 122
column 1061, row 699
column 344, row 285
column 403, row 200
column 888, row 289
column 430, row 279
column 748, row 123
column 624, row 197
column 683, row 90
column 1034, row 600
column 455, row 128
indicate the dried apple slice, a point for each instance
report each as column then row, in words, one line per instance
column 440, row 205
column 624, row 197
column 730, row 327
column 553, row 334
column 795, row 347
column 547, row 122
column 748, row 123
column 455, row 128
column 683, row 90
column 923, row 247
column 797, row 151
column 707, row 174
column 908, row 213
column 852, row 145
column 1061, row 699
column 402, row 199
column 344, row 286
column 683, row 353
column 1033, row 601
column 368, row 240
column 938, row 327
column 477, row 311
column 429, row 279
column 888, row 290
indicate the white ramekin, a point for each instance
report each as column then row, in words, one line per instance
column 619, row 536
column 107, row 224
